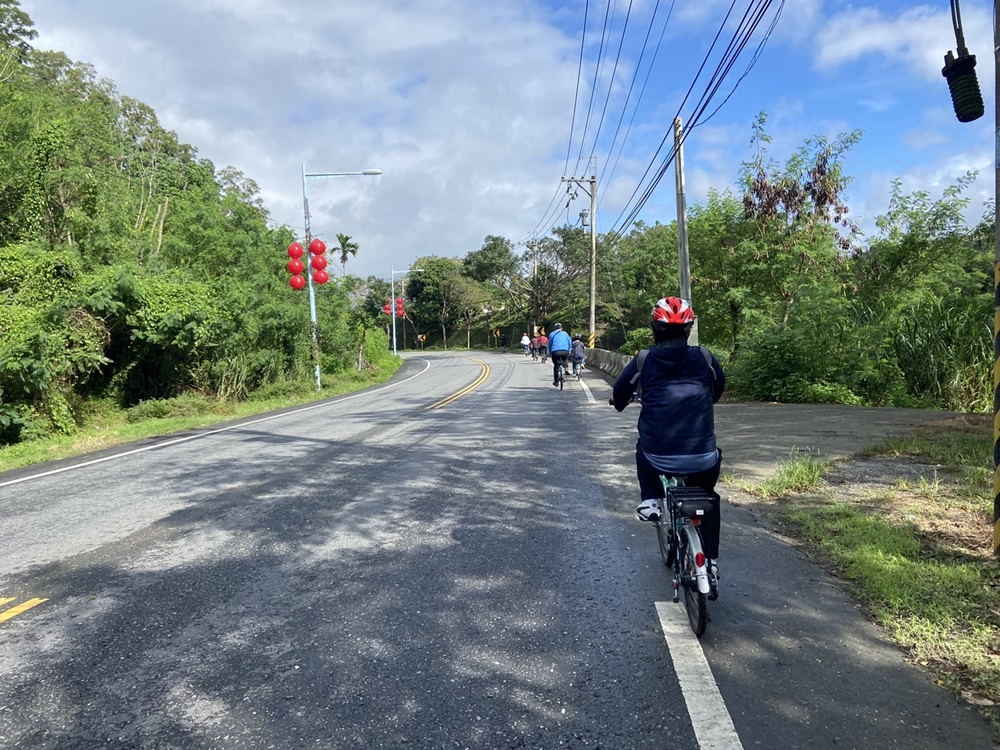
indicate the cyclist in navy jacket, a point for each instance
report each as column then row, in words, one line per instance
column 680, row 385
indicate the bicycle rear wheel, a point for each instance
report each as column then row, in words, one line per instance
column 562, row 377
column 664, row 536
column 695, row 602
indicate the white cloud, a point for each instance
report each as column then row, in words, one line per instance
column 918, row 37
column 463, row 105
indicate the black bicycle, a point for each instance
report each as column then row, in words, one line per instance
column 679, row 535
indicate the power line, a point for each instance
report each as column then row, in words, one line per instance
column 614, row 73
column 593, row 89
column 576, row 96
column 609, row 174
column 740, row 39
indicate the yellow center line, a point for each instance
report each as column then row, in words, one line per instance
column 468, row 389
column 15, row 611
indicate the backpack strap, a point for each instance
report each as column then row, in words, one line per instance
column 641, row 357
column 708, row 361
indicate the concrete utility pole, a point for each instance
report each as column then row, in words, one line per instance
column 684, row 260
column 592, row 336
column 534, row 293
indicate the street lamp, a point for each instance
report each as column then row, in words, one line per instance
column 392, row 301
column 306, row 176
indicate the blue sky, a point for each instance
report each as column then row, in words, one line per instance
column 467, row 107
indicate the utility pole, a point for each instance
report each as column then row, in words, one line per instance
column 684, row 260
column 592, row 182
column 534, row 286
column 996, row 286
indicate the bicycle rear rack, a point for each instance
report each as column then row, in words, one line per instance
column 691, row 502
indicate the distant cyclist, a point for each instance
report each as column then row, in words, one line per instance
column 560, row 345
column 578, row 354
column 525, row 344
column 543, row 347
column 680, row 385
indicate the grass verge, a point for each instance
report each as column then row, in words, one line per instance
column 106, row 426
column 909, row 526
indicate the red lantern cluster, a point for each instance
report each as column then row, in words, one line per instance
column 297, row 267
column 400, row 310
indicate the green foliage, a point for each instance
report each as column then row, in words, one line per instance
column 186, row 405
column 942, row 345
column 377, row 352
column 799, row 474
column 636, row 340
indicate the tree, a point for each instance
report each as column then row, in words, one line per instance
column 16, row 29
column 798, row 212
column 436, row 294
column 347, row 249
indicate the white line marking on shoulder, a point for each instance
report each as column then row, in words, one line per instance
column 211, row 432
column 713, row 726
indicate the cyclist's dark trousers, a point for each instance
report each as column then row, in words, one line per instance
column 558, row 358
column 650, row 486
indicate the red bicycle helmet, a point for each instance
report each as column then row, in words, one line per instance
column 672, row 311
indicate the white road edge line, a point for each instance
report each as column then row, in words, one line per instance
column 713, row 726
column 590, row 395
column 210, row 432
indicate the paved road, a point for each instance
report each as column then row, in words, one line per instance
column 401, row 568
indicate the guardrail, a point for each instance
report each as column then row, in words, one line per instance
column 610, row 362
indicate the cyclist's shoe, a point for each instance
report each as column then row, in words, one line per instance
column 555, row 382
column 648, row 510
column 713, row 580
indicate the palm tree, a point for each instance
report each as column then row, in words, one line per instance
column 347, row 248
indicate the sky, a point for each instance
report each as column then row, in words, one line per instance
column 476, row 111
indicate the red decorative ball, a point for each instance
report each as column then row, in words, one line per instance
column 321, row 277
column 295, row 250
column 296, row 266
column 317, row 247
column 296, row 282
column 318, row 262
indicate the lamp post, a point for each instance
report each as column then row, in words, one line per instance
column 306, row 176
column 392, row 302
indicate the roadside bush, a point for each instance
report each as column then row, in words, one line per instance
column 774, row 365
column 635, row 340
column 281, row 390
column 187, row 405
column 376, row 350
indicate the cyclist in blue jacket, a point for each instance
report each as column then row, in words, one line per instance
column 680, row 385
column 560, row 345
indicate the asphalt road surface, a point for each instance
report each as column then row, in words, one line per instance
column 449, row 560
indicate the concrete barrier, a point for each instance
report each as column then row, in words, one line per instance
column 611, row 363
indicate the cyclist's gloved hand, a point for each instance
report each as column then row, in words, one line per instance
column 611, row 401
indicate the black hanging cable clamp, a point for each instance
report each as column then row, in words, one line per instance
column 960, row 72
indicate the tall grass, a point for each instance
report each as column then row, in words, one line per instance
column 945, row 351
